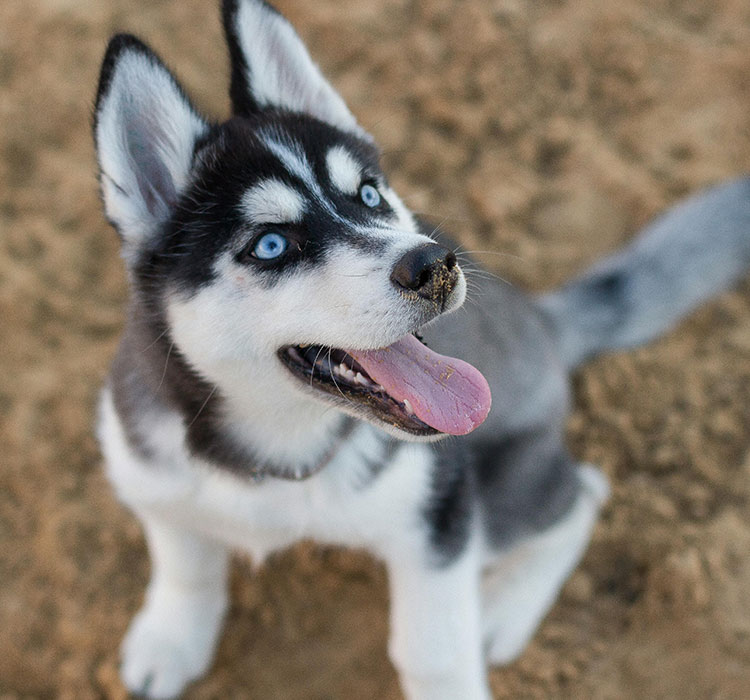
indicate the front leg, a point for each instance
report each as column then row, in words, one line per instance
column 436, row 639
column 172, row 639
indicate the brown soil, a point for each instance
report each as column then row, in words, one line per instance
column 548, row 131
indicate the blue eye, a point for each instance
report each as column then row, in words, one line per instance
column 270, row 246
column 369, row 195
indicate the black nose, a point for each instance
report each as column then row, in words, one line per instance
column 429, row 271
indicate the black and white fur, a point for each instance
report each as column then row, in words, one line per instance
column 215, row 446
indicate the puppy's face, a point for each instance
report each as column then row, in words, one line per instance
column 290, row 249
column 273, row 241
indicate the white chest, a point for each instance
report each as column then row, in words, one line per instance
column 345, row 504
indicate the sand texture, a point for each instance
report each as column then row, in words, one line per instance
column 545, row 131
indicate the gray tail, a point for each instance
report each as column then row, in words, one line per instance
column 696, row 250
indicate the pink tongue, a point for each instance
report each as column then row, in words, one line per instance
column 448, row 394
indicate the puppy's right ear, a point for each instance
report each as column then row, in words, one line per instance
column 145, row 131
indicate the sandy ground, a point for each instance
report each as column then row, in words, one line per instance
column 548, row 131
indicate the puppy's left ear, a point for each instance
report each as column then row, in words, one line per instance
column 272, row 68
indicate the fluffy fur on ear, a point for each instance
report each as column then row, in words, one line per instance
column 145, row 131
column 272, row 68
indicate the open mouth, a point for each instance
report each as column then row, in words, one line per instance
column 336, row 372
column 405, row 384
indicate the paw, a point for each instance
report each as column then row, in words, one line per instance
column 168, row 646
column 521, row 589
column 152, row 668
column 446, row 688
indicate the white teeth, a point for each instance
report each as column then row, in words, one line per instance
column 408, row 408
column 341, row 370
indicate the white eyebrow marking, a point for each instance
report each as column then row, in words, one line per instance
column 345, row 172
column 273, row 202
column 293, row 158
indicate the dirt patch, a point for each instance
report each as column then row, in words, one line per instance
column 547, row 132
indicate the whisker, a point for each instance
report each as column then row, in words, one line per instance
column 203, row 405
column 485, row 274
column 474, row 270
column 472, row 301
column 312, row 373
column 436, row 231
column 489, row 252
column 166, row 362
column 156, row 340
column 333, row 375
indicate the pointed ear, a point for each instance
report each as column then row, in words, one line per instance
column 271, row 67
column 145, row 131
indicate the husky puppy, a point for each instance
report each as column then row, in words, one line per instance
column 289, row 365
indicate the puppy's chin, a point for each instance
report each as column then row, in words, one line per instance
column 403, row 435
